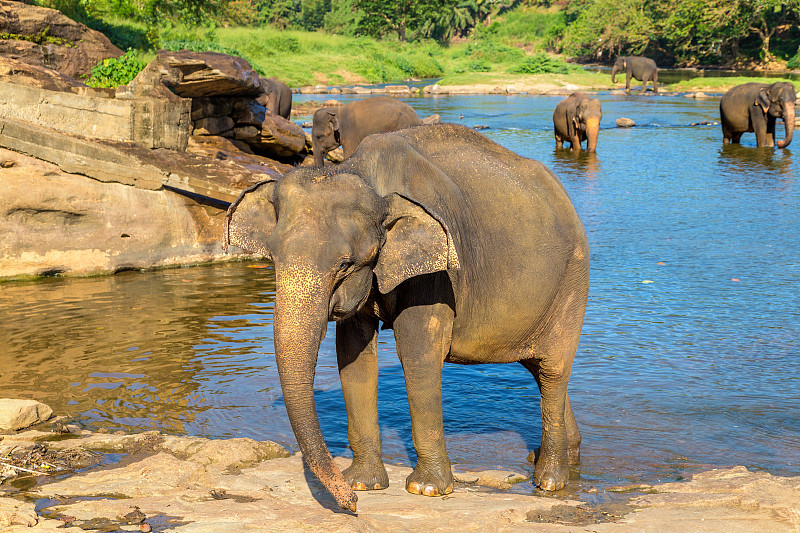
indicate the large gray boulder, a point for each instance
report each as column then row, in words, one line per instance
column 73, row 50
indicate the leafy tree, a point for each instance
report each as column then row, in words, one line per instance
column 381, row 17
column 763, row 17
column 698, row 31
column 457, row 18
column 343, row 18
column 606, row 28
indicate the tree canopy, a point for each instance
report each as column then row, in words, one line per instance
column 674, row 32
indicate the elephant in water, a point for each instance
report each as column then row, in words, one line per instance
column 278, row 97
column 577, row 119
column 347, row 125
column 413, row 230
column 755, row 107
column 643, row 69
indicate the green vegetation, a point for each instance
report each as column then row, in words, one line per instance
column 720, row 84
column 115, row 72
column 305, row 42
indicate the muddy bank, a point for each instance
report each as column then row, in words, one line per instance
column 157, row 482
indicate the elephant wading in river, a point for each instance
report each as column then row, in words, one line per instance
column 755, row 107
column 577, row 119
column 642, row 68
column 347, row 125
column 413, row 230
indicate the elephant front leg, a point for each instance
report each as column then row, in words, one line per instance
column 423, row 334
column 356, row 351
column 770, row 140
column 628, row 83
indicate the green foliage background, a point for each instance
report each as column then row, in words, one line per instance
column 341, row 41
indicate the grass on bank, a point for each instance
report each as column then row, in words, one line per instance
column 497, row 55
column 721, row 84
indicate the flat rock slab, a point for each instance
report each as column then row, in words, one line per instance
column 193, row 485
column 20, row 414
column 199, row 74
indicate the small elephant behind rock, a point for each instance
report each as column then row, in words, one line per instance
column 577, row 119
column 277, row 97
column 347, row 125
column 643, row 69
column 754, row 107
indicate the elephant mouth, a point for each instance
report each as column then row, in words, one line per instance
column 342, row 307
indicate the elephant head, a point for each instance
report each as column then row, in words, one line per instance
column 334, row 241
column 324, row 133
column 619, row 66
column 778, row 100
column 587, row 118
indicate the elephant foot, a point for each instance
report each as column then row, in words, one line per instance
column 551, row 475
column 363, row 476
column 428, row 483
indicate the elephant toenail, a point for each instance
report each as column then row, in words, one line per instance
column 414, row 488
column 377, row 486
column 358, row 485
column 430, row 490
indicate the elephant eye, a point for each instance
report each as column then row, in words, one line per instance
column 344, row 264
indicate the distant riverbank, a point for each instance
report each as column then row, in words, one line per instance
column 501, row 83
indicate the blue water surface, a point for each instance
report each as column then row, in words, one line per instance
column 689, row 355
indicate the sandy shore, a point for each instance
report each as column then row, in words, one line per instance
column 192, row 485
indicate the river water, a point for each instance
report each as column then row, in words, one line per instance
column 688, row 360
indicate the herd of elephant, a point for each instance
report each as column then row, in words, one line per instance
column 750, row 107
column 412, row 231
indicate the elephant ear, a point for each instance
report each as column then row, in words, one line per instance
column 763, row 99
column 417, row 242
column 251, row 219
column 624, row 64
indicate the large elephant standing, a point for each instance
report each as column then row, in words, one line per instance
column 577, row 119
column 754, row 107
column 643, row 69
column 414, row 230
column 347, row 125
column 279, row 97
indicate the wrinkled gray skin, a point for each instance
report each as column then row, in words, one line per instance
column 413, row 230
column 577, row 119
column 754, row 107
column 349, row 124
column 279, row 97
column 642, row 68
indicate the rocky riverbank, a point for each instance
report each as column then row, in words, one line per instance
column 58, row 476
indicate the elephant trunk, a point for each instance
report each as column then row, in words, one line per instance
column 319, row 152
column 592, row 131
column 614, row 71
column 300, row 322
column 788, row 122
